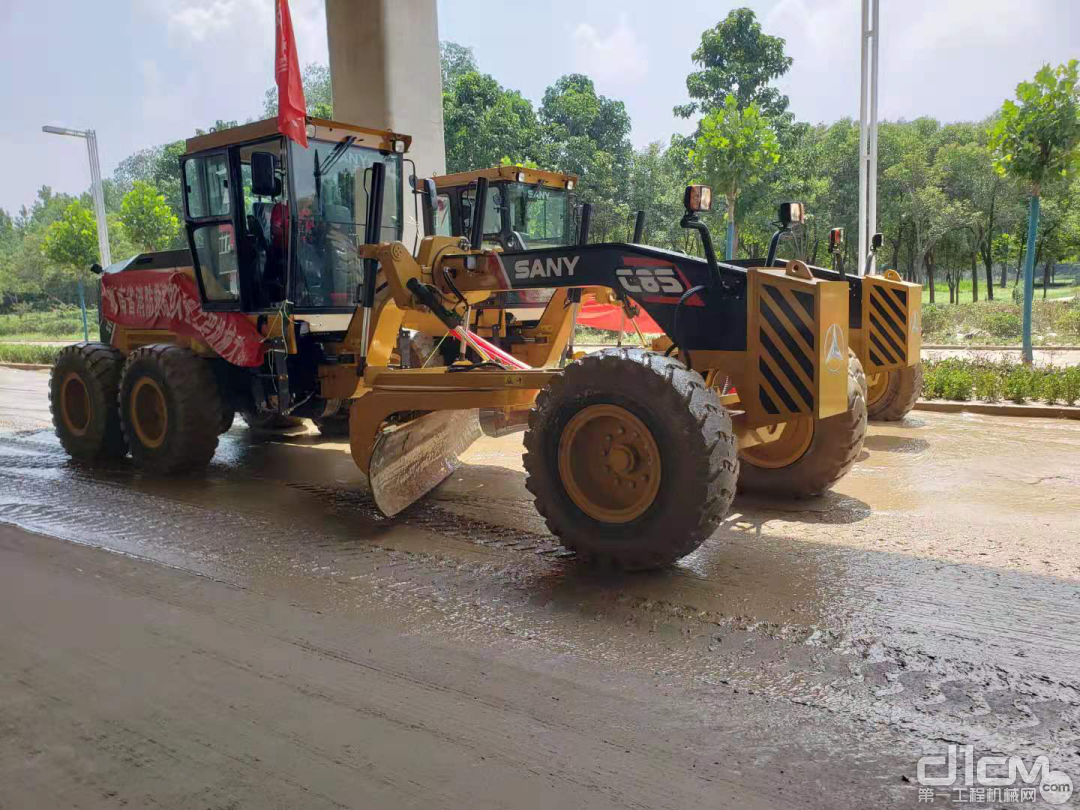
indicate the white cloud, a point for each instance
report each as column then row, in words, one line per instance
column 617, row 59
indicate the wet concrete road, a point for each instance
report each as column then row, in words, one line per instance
column 263, row 638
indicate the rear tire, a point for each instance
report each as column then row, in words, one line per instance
column 170, row 408
column 675, row 425
column 832, row 451
column 902, row 390
column 83, row 388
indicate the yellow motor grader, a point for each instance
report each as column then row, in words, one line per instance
column 527, row 208
column 298, row 299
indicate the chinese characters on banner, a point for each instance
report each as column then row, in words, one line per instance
column 147, row 299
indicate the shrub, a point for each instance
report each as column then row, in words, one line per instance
column 1071, row 385
column 987, row 386
column 957, row 383
column 935, row 319
column 1003, row 324
column 1051, row 386
column 1018, row 385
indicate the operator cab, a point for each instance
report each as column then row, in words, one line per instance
column 526, row 209
column 269, row 221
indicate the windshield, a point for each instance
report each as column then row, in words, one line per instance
column 331, row 207
column 540, row 215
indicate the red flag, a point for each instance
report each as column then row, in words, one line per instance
column 292, row 109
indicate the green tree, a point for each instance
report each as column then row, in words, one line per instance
column 71, row 241
column 734, row 148
column 968, row 174
column 1035, row 140
column 318, row 93
column 587, row 134
column 147, row 218
column 455, row 61
column 483, row 123
column 736, row 59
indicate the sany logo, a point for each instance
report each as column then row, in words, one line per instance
column 836, row 350
column 539, row 268
column 649, row 280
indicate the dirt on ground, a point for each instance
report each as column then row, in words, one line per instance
column 258, row 636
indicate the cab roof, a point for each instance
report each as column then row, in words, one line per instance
column 324, row 130
column 532, row 176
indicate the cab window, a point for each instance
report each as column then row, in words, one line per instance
column 207, row 182
column 444, row 226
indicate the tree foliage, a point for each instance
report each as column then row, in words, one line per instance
column 1040, row 137
column 734, row 148
column 455, row 61
column 147, row 218
column 318, row 93
column 72, row 239
column 737, row 59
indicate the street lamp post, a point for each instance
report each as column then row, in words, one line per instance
column 98, row 194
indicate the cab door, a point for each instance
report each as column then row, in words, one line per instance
column 212, row 204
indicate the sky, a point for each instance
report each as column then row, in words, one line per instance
column 144, row 72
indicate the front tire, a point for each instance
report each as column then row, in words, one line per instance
column 631, row 459
column 170, row 409
column 82, row 397
column 892, row 398
column 823, row 450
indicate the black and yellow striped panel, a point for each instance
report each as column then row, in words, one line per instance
column 786, row 381
column 887, row 329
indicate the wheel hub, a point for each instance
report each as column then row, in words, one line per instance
column 876, row 386
column 785, row 443
column 75, row 404
column 149, row 414
column 609, row 463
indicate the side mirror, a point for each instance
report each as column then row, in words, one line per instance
column 791, row 213
column 876, row 241
column 96, row 269
column 836, row 238
column 697, row 198
column 431, row 195
column 264, row 179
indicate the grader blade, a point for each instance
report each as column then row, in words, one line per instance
column 410, row 461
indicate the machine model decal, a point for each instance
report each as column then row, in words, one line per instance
column 151, row 299
column 650, row 280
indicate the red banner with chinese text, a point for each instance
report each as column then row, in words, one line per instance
column 151, row 299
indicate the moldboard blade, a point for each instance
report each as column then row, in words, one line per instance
column 410, row 461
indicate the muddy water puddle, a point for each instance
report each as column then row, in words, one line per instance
column 934, row 594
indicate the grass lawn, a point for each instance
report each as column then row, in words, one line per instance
column 38, row 337
column 941, row 291
column 21, row 353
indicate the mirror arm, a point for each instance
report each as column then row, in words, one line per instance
column 691, row 221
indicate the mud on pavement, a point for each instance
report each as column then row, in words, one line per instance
column 821, row 646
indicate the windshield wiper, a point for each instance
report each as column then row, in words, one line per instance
column 331, row 159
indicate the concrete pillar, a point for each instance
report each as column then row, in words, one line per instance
column 384, row 70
